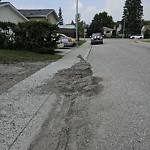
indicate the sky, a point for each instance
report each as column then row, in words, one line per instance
column 87, row 8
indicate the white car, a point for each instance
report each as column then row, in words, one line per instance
column 67, row 42
column 137, row 36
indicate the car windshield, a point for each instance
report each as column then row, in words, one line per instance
column 96, row 34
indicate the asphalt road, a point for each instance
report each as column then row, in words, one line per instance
column 106, row 110
column 120, row 114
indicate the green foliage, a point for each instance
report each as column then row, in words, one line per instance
column 132, row 16
column 31, row 36
column 145, row 22
column 60, row 17
column 6, row 34
column 81, row 42
column 81, row 26
column 147, row 34
column 99, row 21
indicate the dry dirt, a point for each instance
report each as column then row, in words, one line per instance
column 11, row 74
column 68, row 126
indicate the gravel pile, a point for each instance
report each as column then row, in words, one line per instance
column 76, row 80
column 68, row 125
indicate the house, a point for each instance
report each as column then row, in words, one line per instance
column 8, row 13
column 108, row 31
column 40, row 14
column 69, row 30
column 145, row 31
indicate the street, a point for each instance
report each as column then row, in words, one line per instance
column 94, row 98
column 107, row 111
column 121, row 113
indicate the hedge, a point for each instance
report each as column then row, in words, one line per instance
column 31, row 36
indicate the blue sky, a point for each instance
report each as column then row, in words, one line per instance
column 87, row 8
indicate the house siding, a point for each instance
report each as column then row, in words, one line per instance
column 37, row 19
column 51, row 19
column 8, row 15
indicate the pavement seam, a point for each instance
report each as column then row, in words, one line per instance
column 28, row 122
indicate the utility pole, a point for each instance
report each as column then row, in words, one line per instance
column 124, row 24
column 76, row 22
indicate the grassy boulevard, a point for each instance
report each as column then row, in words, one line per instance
column 146, row 40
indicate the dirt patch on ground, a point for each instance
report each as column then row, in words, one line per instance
column 68, row 126
column 11, row 74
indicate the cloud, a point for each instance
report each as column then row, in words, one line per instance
column 146, row 10
column 88, row 13
column 28, row 6
column 114, row 8
column 80, row 5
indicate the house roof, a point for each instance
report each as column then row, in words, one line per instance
column 38, row 13
column 145, row 27
column 66, row 26
column 2, row 4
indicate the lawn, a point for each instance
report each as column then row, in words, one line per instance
column 146, row 40
column 11, row 56
column 81, row 42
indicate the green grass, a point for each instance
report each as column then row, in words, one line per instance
column 146, row 40
column 11, row 56
column 81, row 42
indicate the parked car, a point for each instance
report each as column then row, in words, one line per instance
column 96, row 38
column 60, row 44
column 137, row 36
column 65, row 36
column 67, row 42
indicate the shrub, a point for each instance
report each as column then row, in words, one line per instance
column 31, row 36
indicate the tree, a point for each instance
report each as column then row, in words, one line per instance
column 81, row 27
column 99, row 21
column 60, row 16
column 145, row 22
column 132, row 17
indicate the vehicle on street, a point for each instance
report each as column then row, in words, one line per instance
column 96, row 38
column 137, row 36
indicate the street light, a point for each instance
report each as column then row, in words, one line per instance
column 76, row 22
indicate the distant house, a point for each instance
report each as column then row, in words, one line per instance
column 69, row 30
column 108, row 31
column 145, row 30
column 40, row 14
column 8, row 13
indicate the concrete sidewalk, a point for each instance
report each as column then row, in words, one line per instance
column 23, row 110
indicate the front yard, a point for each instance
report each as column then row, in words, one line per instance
column 13, row 56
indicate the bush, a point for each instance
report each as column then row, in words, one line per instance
column 147, row 34
column 6, row 34
column 31, row 36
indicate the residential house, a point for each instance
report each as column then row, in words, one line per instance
column 69, row 30
column 118, row 30
column 8, row 13
column 40, row 14
column 145, row 31
column 108, row 31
